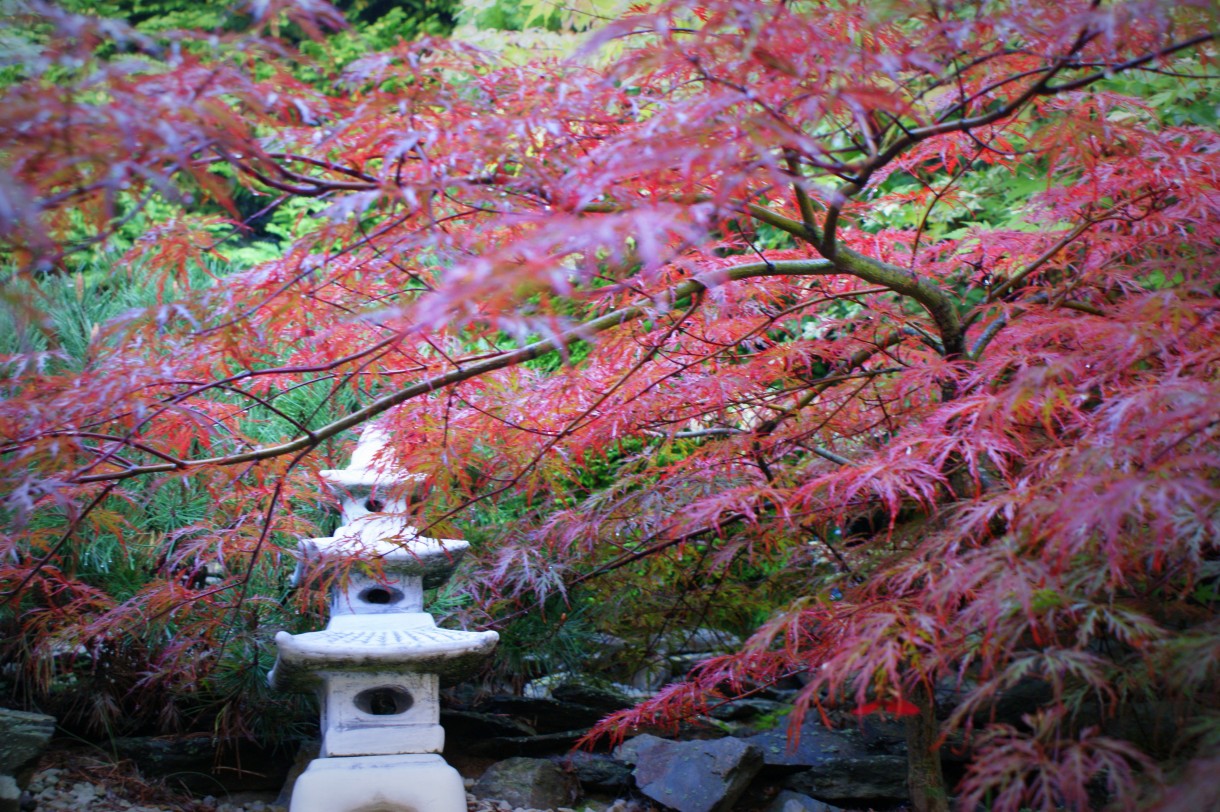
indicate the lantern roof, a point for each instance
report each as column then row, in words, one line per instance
column 372, row 466
column 394, row 545
column 368, row 643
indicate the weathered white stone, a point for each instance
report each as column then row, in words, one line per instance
column 391, row 548
column 407, row 643
column 404, row 783
column 366, row 595
column 373, row 483
column 380, row 713
column 378, row 663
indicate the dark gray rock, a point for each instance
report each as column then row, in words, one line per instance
column 542, row 745
column 819, row 745
column 816, row 746
column 22, row 737
column 208, row 766
column 308, row 751
column 652, row 675
column 789, row 801
column 597, row 771
column 10, row 794
column 1027, row 696
column 746, row 709
column 854, row 779
column 532, row 783
column 864, row 763
column 637, row 747
column 471, row 725
column 695, row 776
column 543, row 715
column 606, row 648
column 699, row 641
column 604, row 698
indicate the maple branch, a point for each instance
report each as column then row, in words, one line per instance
column 827, row 454
column 674, row 296
column 1110, row 70
column 804, row 204
column 129, row 441
column 1004, row 319
column 985, row 337
column 935, row 300
column 826, row 244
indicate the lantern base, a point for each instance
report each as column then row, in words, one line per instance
column 401, row 783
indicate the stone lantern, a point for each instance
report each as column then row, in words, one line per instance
column 377, row 665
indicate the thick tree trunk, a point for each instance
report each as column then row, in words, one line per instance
column 924, row 776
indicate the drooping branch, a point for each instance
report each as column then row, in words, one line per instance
column 673, row 297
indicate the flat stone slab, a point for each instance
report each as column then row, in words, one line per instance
column 22, row 737
column 377, row 643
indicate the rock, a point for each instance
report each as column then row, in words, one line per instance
column 531, row 783
column 681, row 664
column 858, row 779
column 543, row 715
column 471, row 733
column 859, row 763
column 472, row 724
column 10, row 794
column 817, row 745
column 1027, row 696
column 308, row 752
column 597, row 771
column 205, row 765
column 652, row 675
column 604, row 698
column 695, row 776
column 746, row 709
column 789, row 801
column 543, row 745
column 699, row 641
column 637, row 747
column 22, row 737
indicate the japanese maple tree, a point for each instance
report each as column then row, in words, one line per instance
column 922, row 291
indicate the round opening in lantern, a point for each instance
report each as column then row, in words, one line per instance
column 380, row 596
column 374, row 505
column 385, row 701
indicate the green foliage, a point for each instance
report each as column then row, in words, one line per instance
column 75, row 308
column 153, row 16
column 91, row 683
column 377, row 26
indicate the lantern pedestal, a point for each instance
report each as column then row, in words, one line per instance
column 399, row 783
